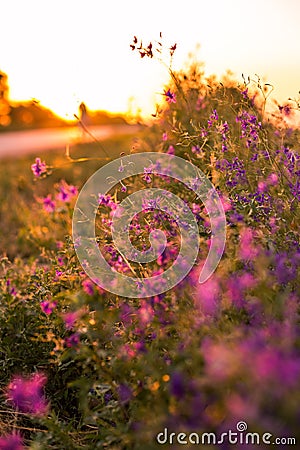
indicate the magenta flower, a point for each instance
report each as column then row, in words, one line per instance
column 71, row 317
column 39, row 167
column 66, row 192
column 171, row 150
column 49, row 204
column 170, row 96
column 273, row 179
column 247, row 249
column 48, row 306
column 208, row 297
column 11, row 442
column 26, row 394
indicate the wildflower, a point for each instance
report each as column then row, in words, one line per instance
column 245, row 93
column 147, row 174
column 26, row 394
column 247, row 249
column 11, row 289
column 70, row 318
column 125, row 393
column 11, row 442
column 286, row 110
column 207, row 297
column 213, row 118
column 200, row 104
column 171, row 150
column 66, row 192
column 165, row 137
column 273, row 179
column 73, row 340
column 170, row 96
column 48, row 204
column 196, row 149
column 59, row 245
column 145, row 313
column 48, row 306
column 262, row 186
column 88, row 287
column 39, row 167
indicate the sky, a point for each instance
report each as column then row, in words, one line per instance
column 63, row 52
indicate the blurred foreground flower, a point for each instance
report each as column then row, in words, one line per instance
column 11, row 442
column 26, row 394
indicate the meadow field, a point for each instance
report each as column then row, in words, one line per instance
column 217, row 364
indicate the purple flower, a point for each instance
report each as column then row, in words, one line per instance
column 170, row 96
column 70, row 318
column 48, row 306
column 88, row 287
column 11, row 289
column 27, row 394
column 73, row 340
column 125, row 393
column 39, row 167
column 11, row 442
column 245, row 93
column 213, row 118
column 66, row 192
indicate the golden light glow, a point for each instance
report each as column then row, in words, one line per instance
column 66, row 52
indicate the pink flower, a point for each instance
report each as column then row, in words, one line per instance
column 262, row 186
column 145, row 313
column 49, row 204
column 170, row 96
column 39, row 167
column 88, row 287
column 71, row 317
column 247, row 250
column 66, row 192
column 165, row 137
column 171, row 150
column 208, row 297
column 48, row 306
column 11, row 442
column 26, row 394
column 273, row 179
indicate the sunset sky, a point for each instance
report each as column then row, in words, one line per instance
column 62, row 52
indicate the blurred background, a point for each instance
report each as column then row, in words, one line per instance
column 56, row 55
